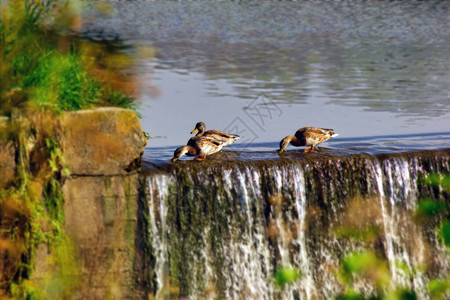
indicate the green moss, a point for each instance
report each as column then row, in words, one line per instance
column 38, row 194
column 144, row 260
column 130, row 212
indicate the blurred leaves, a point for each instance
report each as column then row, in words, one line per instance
column 361, row 223
column 286, row 275
column 439, row 289
column 428, row 208
column 444, row 232
column 46, row 65
column 367, row 266
column 438, row 180
column 401, row 294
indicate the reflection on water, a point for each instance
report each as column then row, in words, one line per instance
column 362, row 68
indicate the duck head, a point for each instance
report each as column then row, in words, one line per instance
column 285, row 142
column 180, row 152
column 200, row 127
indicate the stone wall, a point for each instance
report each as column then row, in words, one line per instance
column 102, row 149
column 7, row 155
column 102, row 221
column 104, row 141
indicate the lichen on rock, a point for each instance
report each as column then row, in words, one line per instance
column 103, row 141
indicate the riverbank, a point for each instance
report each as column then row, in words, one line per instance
column 72, row 181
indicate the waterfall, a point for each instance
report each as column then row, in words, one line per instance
column 222, row 230
column 158, row 189
column 400, row 188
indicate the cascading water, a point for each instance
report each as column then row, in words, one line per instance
column 400, row 197
column 158, row 212
column 222, row 230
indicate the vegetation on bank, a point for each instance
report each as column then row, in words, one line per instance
column 46, row 68
column 45, row 65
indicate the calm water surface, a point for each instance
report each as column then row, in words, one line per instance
column 376, row 72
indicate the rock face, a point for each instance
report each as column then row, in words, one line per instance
column 101, row 148
column 7, row 155
column 102, row 221
column 104, row 141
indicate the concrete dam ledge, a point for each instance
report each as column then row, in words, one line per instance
column 227, row 159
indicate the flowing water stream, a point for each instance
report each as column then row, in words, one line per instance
column 220, row 230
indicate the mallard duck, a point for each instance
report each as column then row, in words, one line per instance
column 225, row 138
column 307, row 136
column 198, row 146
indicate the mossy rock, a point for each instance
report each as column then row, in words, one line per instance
column 103, row 141
column 7, row 155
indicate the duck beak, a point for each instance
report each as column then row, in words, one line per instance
column 194, row 131
column 280, row 151
column 174, row 159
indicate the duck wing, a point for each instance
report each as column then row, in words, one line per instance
column 205, row 145
column 199, row 141
column 313, row 135
column 224, row 137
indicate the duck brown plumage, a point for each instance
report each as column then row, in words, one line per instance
column 307, row 136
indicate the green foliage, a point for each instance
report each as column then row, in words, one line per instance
column 56, row 160
column 36, row 200
column 438, row 180
column 439, row 289
column 286, row 275
column 401, row 294
column 365, row 265
column 351, row 295
column 44, row 67
column 59, row 82
column 115, row 98
column 444, row 232
column 429, row 208
column 26, row 290
column 77, row 89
